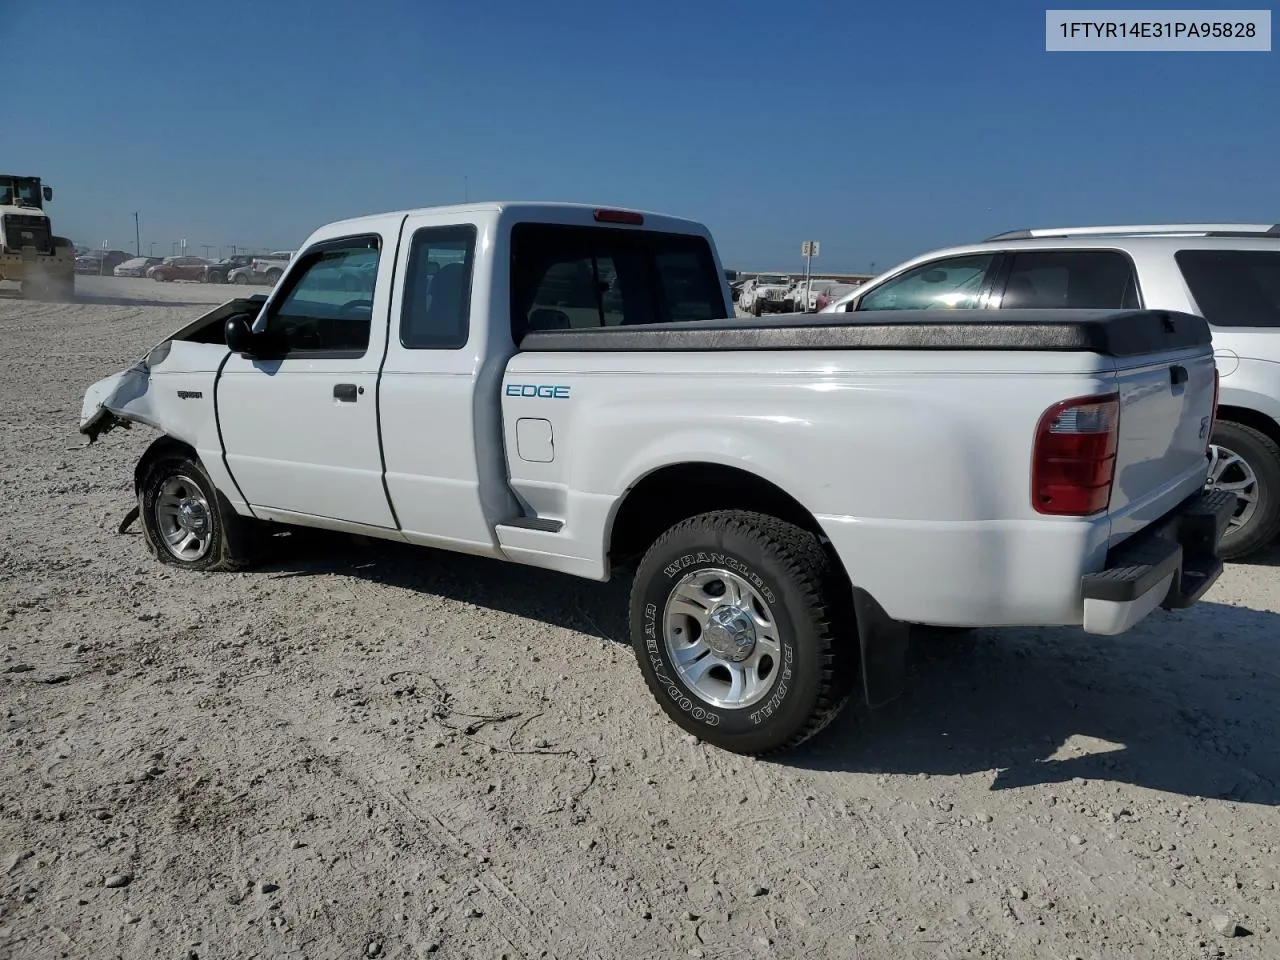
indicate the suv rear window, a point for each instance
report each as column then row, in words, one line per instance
column 575, row 277
column 1074, row 279
column 1234, row 288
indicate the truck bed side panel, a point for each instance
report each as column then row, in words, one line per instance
column 916, row 463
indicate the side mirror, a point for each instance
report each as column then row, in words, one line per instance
column 239, row 334
column 47, row 192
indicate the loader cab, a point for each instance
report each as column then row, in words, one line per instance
column 25, row 192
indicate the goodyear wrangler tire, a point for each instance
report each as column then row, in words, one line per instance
column 732, row 619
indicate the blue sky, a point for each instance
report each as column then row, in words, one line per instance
column 879, row 129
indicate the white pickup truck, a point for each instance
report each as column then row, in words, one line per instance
column 561, row 386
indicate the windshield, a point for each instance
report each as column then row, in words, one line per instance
column 23, row 191
column 772, row 279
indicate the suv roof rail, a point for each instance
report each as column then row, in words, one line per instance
column 1185, row 229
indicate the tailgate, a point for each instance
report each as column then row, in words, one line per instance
column 1166, row 407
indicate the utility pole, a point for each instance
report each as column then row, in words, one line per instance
column 137, row 235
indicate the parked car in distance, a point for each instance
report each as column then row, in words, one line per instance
column 805, row 297
column 272, row 266
column 220, row 271
column 137, row 266
column 101, row 262
column 832, row 293
column 1228, row 273
column 245, row 275
column 179, row 268
column 765, row 293
column 1044, row 473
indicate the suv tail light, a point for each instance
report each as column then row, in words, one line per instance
column 1074, row 462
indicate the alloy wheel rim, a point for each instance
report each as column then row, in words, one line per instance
column 722, row 638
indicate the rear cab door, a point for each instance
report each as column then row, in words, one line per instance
column 300, row 430
column 445, row 471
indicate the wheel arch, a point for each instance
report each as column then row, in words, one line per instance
column 161, row 446
column 673, row 492
column 1248, row 417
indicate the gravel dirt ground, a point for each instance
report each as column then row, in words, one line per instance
column 363, row 750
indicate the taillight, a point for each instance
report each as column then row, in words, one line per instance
column 1074, row 462
column 619, row 216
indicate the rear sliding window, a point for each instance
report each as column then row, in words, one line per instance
column 573, row 277
column 1234, row 288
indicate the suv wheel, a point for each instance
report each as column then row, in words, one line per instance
column 1246, row 462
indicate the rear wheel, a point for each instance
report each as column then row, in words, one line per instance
column 1246, row 462
column 734, row 625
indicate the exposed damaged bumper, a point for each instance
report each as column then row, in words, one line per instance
column 107, row 403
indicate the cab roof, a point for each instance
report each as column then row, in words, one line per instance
column 541, row 212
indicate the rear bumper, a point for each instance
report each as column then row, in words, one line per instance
column 1169, row 564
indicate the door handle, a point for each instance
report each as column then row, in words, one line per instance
column 1178, row 374
column 346, row 392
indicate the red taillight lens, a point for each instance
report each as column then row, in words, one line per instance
column 1074, row 462
column 619, row 216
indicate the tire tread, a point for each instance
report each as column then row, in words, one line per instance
column 808, row 565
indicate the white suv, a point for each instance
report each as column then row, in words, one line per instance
column 1228, row 273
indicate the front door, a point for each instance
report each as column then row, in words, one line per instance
column 301, row 430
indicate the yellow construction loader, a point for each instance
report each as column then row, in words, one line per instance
column 30, row 254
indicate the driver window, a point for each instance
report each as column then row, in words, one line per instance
column 953, row 284
column 327, row 305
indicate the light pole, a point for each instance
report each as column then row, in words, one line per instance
column 137, row 235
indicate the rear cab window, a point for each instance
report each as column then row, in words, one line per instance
column 565, row 277
column 1234, row 288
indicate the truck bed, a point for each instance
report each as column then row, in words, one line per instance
column 1113, row 333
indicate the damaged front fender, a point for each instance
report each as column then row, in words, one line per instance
column 124, row 398
column 116, row 400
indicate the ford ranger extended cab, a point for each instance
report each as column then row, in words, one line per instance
column 565, row 387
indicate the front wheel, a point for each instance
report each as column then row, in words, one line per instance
column 241, row 280
column 1246, row 462
column 185, row 521
column 734, row 625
